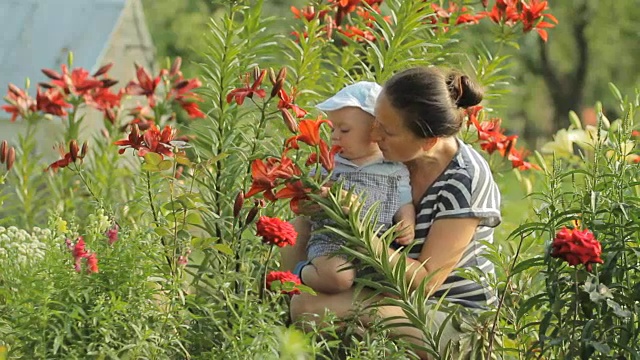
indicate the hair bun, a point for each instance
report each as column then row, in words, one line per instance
column 463, row 91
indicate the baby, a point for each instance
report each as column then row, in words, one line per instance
column 359, row 165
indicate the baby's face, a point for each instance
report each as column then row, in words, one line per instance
column 352, row 132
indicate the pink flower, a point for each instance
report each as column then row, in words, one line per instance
column 112, row 234
column 92, row 263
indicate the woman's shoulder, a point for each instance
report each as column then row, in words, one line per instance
column 473, row 163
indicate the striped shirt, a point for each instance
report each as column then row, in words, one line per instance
column 465, row 189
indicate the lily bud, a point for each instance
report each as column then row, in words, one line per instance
column 4, row 148
column 272, row 77
column 180, row 84
column 16, row 90
column 135, row 132
column 45, row 85
column 277, row 87
column 179, row 172
column 107, row 83
column 252, row 214
column 84, row 150
column 11, row 158
column 52, row 74
column 175, row 67
column 105, row 133
column 256, row 73
column 289, row 121
column 110, row 115
column 237, row 205
column 282, row 74
column 103, row 70
column 73, row 150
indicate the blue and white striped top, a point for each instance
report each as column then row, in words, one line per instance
column 465, row 189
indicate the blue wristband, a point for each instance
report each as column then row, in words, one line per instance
column 297, row 270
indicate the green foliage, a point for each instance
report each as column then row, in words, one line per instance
column 185, row 279
column 577, row 313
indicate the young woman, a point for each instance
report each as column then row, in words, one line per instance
column 418, row 115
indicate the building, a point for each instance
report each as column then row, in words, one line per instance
column 36, row 34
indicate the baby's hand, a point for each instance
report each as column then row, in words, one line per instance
column 405, row 234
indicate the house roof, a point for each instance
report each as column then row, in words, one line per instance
column 36, row 34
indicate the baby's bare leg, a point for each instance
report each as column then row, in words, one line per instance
column 329, row 275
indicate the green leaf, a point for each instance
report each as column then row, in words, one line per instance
column 193, row 218
column 150, row 167
column 183, row 160
column 162, row 231
column 527, row 264
column 165, row 165
column 152, row 158
column 223, row 248
column 615, row 92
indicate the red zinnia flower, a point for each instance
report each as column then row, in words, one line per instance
column 276, row 232
column 577, row 247
column 284, row 277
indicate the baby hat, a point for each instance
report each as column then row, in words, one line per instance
column 362, row 94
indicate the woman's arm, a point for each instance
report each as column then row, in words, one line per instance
column 442, row 250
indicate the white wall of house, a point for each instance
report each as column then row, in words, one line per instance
column 129, row 43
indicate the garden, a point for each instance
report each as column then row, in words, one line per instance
column 159, row 237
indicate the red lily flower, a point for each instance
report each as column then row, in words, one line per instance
column 192, row 109
column 533, row 18
column 368, row 18
column 157, row 141
column 286, row 102
column 78, row 82
column 103, row 99
column 354, row 32
column 309, row 133
column 503, row 11
column 263, row 180
column 182, row 90
column 146, row 85
column 68, row 157
column 51, row 102
column 240, row 94
column 326, row 158
column 20, row 103
column 134, row 140
column 295, row 191
column 517, row 159
column 308, row 12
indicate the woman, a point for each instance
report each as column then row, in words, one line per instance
column 418, row 115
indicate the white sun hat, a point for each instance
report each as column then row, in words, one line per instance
column 362, row 94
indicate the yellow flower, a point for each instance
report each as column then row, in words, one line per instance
column 62, row 226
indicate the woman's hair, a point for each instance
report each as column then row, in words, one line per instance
column 432, row 101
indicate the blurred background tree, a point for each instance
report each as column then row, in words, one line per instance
column 595, row 42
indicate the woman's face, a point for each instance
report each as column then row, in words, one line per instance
column 397, row 142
